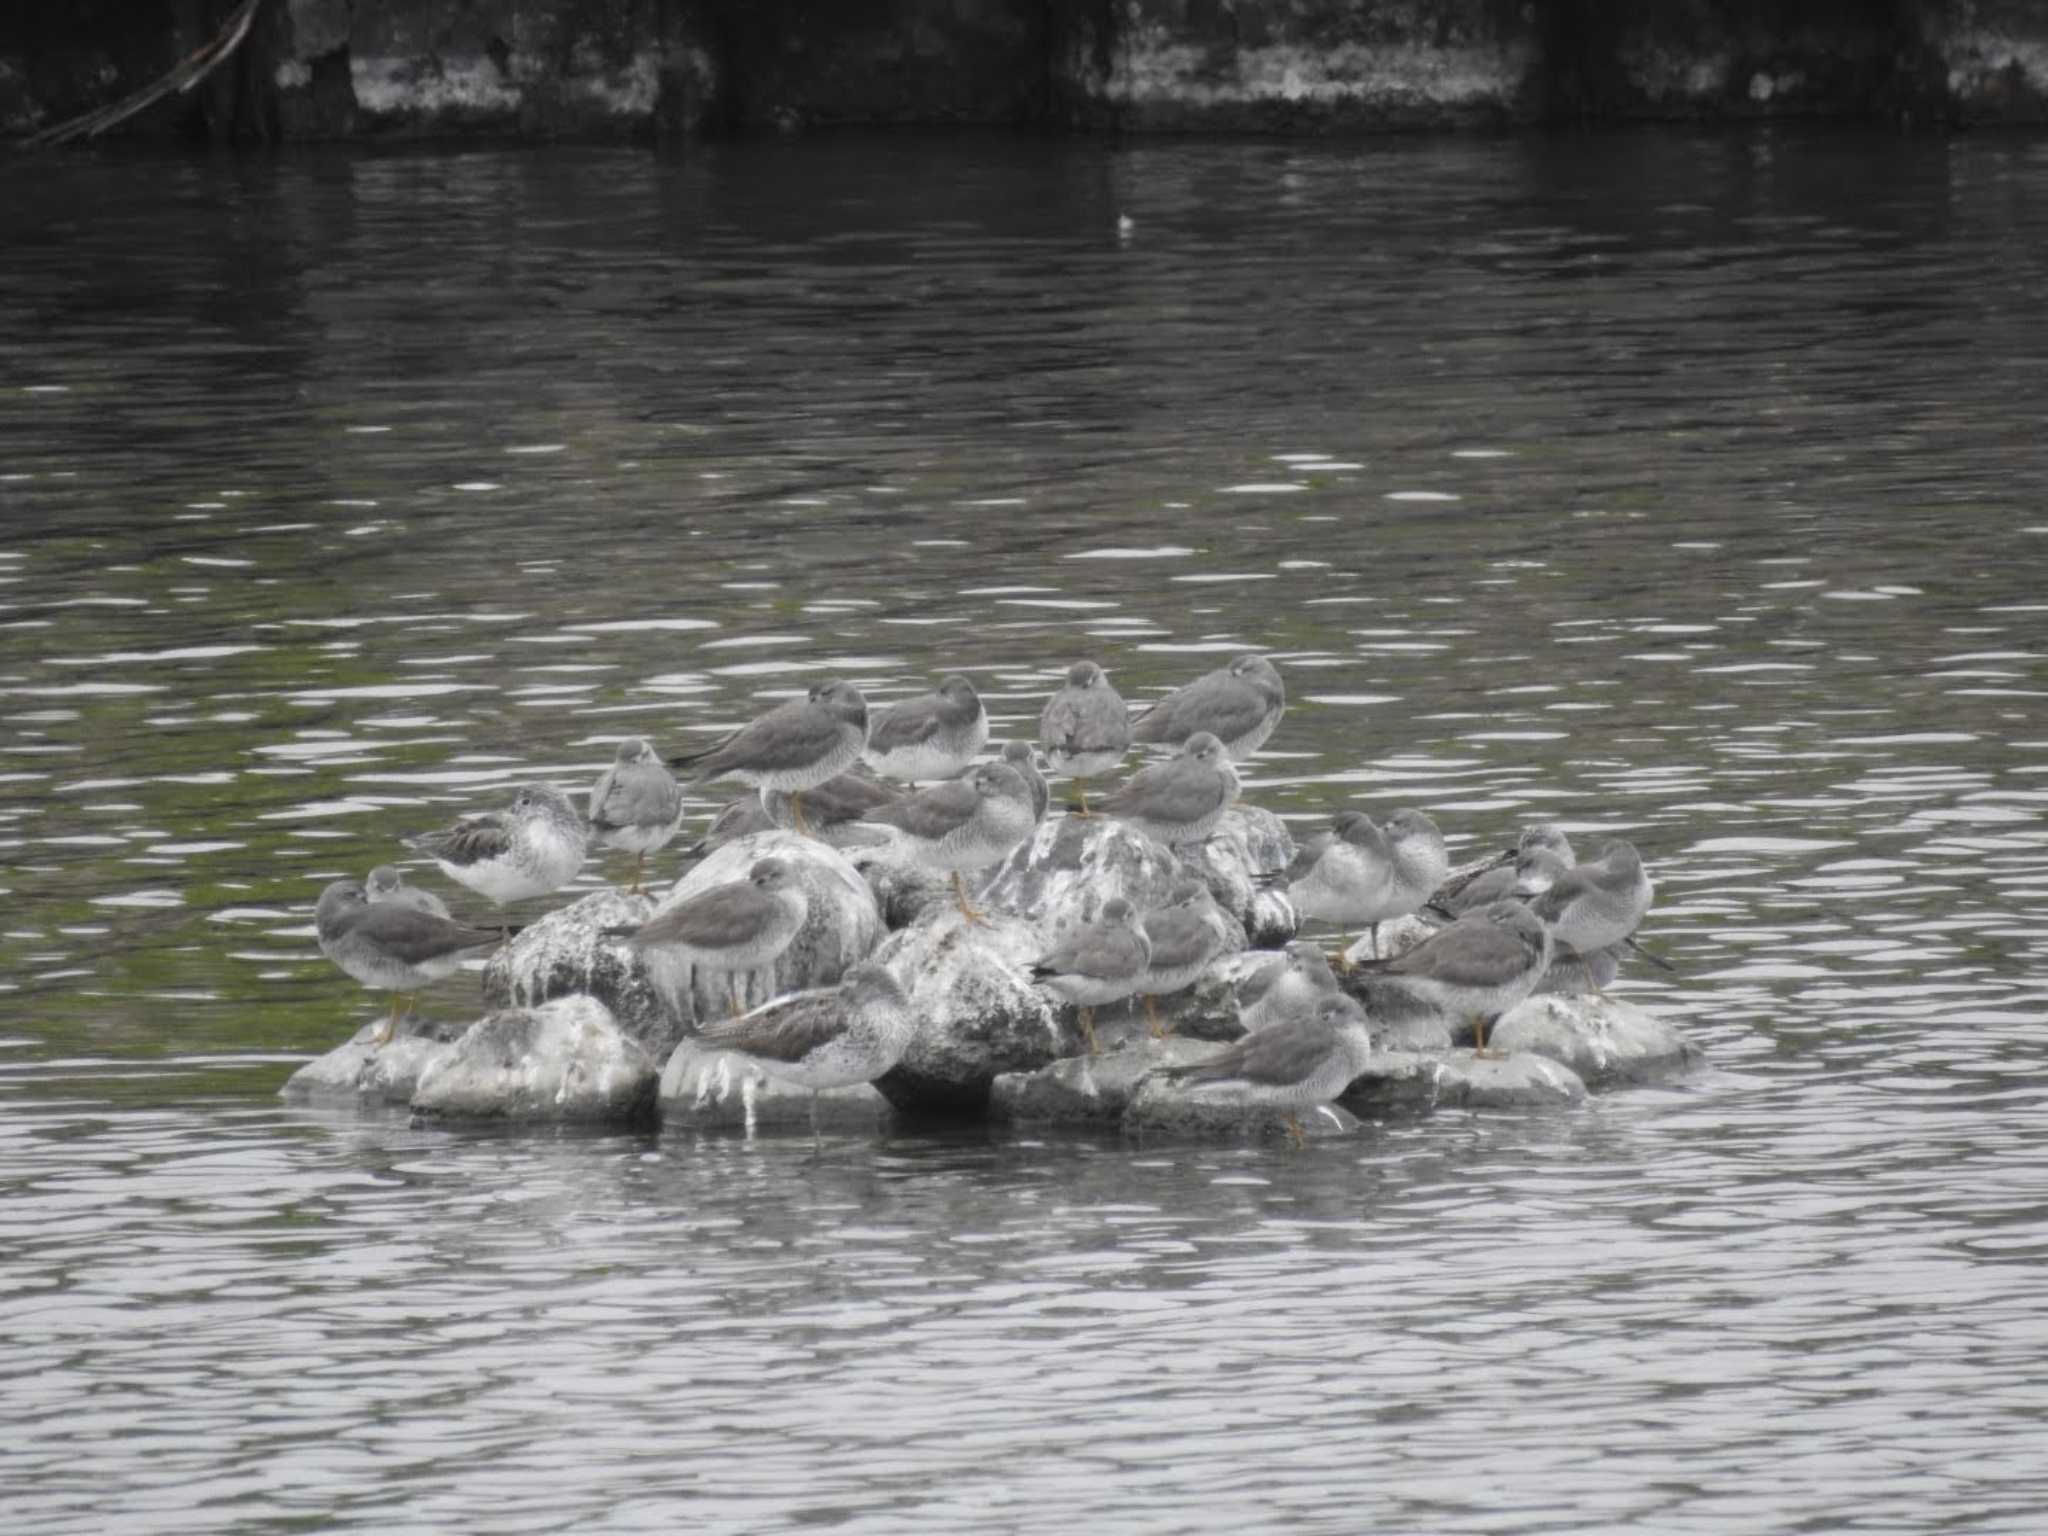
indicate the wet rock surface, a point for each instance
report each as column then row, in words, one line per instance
column 360, row 1070
column 704, row 1089
column 978, row 1013
column 1607, row 1042
column 565, row 954
column 566, row 1061
column 1162, row 1111
column 1074, row 864
column 1089, row 1090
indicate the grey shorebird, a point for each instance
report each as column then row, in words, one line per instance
column 830, row 811
column 827, row 1037
column 794, row 747
column 1572, row 974
column 636, row 805
column 533, row 846
column 1360, row 874
column 1018, row 755
column 392, row 948
column 740, row 925
column 1185, row 935
column 1181, row 799
column 961, row 825
column 385, row 883
column 933, row 735
column 1296, row 979
column 1524, row 876
column 1098, row 963
column 1477, row 968
column 1306, row 1059
column 834, row 809
column 1084, row 729
column 1599, row 903
column 735, row 819
column 1538, row 855
column 1239, row 705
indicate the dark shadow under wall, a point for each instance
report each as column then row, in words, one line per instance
column 545, row 69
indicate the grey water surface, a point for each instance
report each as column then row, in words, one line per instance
column 1689, row 488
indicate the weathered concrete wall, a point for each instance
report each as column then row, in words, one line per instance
column 605, row 68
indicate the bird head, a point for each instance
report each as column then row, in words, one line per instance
column 772, row 875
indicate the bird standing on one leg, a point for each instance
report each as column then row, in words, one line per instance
column 1101, row 962
column 636, row 805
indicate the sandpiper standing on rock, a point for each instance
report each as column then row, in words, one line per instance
column 387, row 884
column 1099, row 963
column 1085, row 730
column 828, row 1037
column 796, row 746
column 1239, row 705
column 636, row 805
column 534, row 846
column 1599, row 903
column 1306, row 1059
column 1362, row 874
column 1181, row 799
column 738, row 926
column 392, row 948
column 931, row 736
column 963, row 824
column 1185, row 935
column 1477, row 968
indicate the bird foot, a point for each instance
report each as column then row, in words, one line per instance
column 1295, row 1133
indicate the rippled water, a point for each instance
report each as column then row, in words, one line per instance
column 1688, row 488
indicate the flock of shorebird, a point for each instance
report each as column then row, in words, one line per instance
column 1532, row 919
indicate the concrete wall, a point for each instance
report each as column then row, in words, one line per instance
column 609, row 68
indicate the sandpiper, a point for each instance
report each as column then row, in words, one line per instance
column 1298, row 978
column 1477, row 968
column 390, row 947
column 387, row 884
column 827, row 1037
column 736, row 819
column 931, row 736
column 1098, row 963
column 738, row 926
column 1181, row 799
column 636, row 805
column 833, row 809
column 1308, row 1058
column 1085, row 730
column 1360, row 874
column 1496, row 877
column 962, row 824
column 1239, row 705
column 1018, row 755
column 796, row 746
column 1184, row 935
column 533, row 846
column 1572, row 974
column 1526, row 875
column 1599, row 903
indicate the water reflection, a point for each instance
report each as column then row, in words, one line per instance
column 1677, row 487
